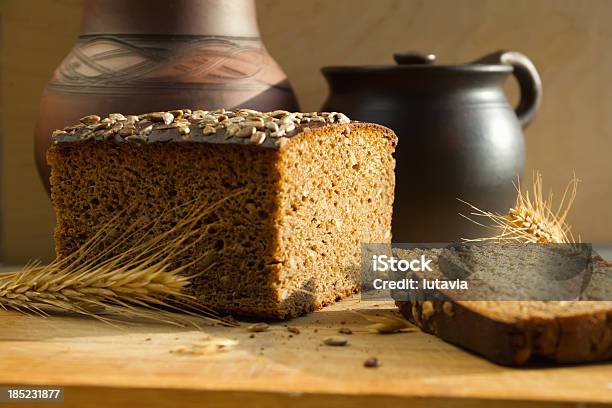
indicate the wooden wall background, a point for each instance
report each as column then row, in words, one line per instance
column 569, row 40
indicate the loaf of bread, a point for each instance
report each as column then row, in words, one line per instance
column 513, row 332
column 317, row 186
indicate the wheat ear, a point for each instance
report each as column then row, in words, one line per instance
column 532, row 219
column 141, row 281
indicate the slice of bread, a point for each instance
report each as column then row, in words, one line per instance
column 514, row 332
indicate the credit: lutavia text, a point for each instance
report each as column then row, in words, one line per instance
column 385, row 263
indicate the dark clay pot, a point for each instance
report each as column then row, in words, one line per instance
column 458, row 136
column 136, row 56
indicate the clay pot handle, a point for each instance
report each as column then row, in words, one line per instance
column 528, row 79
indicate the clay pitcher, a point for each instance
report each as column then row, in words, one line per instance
column 136, row 56
column 459, row 138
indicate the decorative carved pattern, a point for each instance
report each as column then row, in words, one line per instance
column 135, row 64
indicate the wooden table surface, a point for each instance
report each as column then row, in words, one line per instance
column 155, row 365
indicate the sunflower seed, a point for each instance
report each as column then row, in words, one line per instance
column 250, row 112
column 246, row 132
column 272, row 126
column 258, row 327
column 236, row 119
column 258, row 138
column 182, row 121
column 153, row 116
column 128, row 130
column 59, row 132
column 256, row 123
column 208, row 130
column 336, row 341
column 132, row 119
column 177, row 113
column 288, row 119
column 99, row 125
column 231, row 130
column 165, row 117
column 279, row 133
column 146, row 130
column 88, row 120
column 116, row 116
column 204, row 123
column 163, row 126
column 289, row 127
column 278, row 113
column 198, row 114
column 387, row 327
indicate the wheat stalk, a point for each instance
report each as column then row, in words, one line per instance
column 532, row 219
column 141, row 281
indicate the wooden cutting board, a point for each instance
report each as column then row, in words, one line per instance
column 155, row 365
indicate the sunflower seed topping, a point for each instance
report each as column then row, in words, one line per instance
column 165, row 117
column 131, row 119
column 258, row 138
column 146, row 130
column 288, row 127
column 59, row 132
column 246, row 131
column 88, row 120
column 178, row 113
column 239, row 126
column 116, row 116
column 198, row 114
column 256, row 123
column 208, row 130
column 232, row 130
column 272, row 126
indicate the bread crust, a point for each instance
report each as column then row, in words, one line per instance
column 581, row 338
